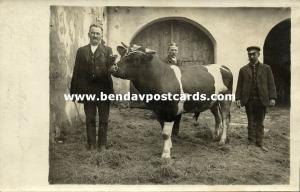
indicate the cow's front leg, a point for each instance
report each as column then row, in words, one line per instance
column 225, row 112
column 166, row 134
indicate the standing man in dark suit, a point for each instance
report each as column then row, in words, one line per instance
column 91, row 76
column 256, row 91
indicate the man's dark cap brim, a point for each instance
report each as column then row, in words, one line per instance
column 253, row 49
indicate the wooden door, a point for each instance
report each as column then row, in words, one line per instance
column 195, row 47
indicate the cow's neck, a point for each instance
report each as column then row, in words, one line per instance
column 150, row 78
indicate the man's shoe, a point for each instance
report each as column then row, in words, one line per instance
column 250, row 142
column 101, row 148
column 90, row 147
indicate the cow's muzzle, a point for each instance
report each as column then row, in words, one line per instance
column 116, row 72
column 114, row 69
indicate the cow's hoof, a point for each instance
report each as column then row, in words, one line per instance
column 222, row 142
column 175, row 138
column 216, row 138
column 196, row 124
column 213, row 137
column 166, row 156
column 218, row 134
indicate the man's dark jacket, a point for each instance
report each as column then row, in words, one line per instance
column 91, row 71
column 265, row 84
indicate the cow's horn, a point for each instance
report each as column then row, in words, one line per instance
column 135, row 47
column 149, row 51
column 124, row 45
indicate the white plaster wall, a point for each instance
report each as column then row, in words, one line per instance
column 233, row 29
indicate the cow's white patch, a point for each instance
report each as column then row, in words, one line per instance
column 178, row 76
column 215, row 71
column 167, row 131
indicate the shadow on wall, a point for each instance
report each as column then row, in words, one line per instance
column 68, row 31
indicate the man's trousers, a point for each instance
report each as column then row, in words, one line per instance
column 256, row 114
column 90, row 109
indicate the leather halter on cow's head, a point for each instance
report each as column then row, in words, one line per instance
column 134, row 60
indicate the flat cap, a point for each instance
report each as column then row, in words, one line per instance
column 253, row 49
column 173, row 46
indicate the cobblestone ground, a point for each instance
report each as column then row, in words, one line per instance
column 135, row 146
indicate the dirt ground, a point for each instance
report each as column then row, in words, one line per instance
column 136, row 144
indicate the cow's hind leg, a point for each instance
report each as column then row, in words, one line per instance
column 196, row 116
column 175, row 130
column 166, row 134
column 225, row 113
column 215, row 131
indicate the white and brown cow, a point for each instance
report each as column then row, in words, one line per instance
column 150, row 75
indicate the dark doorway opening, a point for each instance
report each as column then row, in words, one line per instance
column 277, row 54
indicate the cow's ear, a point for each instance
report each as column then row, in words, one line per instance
column 124, row 45
column 121, row 50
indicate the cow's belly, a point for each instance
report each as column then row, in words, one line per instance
column 166, row 110
column 196, row 106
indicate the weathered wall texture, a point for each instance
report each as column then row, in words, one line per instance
column 69, row 28
column 233, row 29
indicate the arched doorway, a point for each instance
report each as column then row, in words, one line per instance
column 277, row 55
column 196, row 45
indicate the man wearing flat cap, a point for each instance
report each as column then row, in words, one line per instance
column 256, row 91
column 172, row 55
